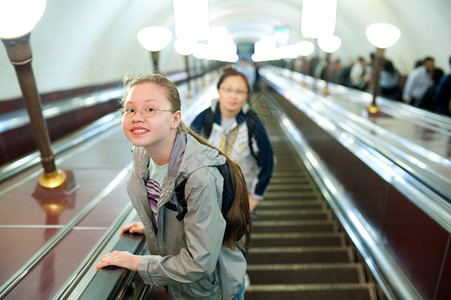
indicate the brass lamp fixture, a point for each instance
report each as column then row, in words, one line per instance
column 154, row 39
column 382, row 36
column 305, row 48
column 328, row 44
column 186, row 48
column 17, row 20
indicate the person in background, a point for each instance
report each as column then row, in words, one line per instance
column 247, row 69
column 197, row 257
column 442, row 96
column 231, row 125
column 335, row 71
column 418, row 81
column 426, row 102
column 229, row 132
column 357, row 74
column 389, row 81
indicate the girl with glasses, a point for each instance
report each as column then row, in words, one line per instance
column 196, row 257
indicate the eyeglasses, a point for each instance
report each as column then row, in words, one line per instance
column 230, row 91
column 145, row 112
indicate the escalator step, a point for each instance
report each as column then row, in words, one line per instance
column 293, row 214
column 290, row 187
column 361, row 291
column 306, row 273
column 297, row 239
column 290, row 204
column 293, row 172
column 299, row 195
column 298, row 226
column 291, row 180
column 299, row 255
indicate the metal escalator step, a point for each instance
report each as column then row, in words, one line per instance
column 297, row 239
column 286, row 226
column 293, row 214
column 291, row 187
column 290, row 180
column 306, row 273
column 293, row 167
column 344, row 291
column 289, row 173
column 300, row 255
column 276, row 195
column 290, row 204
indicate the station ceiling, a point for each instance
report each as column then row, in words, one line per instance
column 82, row 43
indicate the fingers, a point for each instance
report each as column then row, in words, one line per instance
column 125, row 229
column 123, row 259
column 135, row 227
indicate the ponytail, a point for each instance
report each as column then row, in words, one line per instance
column 238, row 221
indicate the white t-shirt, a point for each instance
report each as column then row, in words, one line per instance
column 154, row 185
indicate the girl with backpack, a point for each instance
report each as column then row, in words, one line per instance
column 196, row 256
column 232, row 126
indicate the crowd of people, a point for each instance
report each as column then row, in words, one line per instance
column 426, row 87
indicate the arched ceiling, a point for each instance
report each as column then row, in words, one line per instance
column 81, row 43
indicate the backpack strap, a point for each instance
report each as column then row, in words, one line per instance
column 251, row 117
column 180, row 194
column 209, row 118
column 228, row 193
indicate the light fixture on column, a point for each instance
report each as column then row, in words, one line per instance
column 186, row 48
column 17, row 20
column 191, row 19
column 328, row 44
column 154, row 39
column 382, row 36
column 318, row 18
column 305, row 48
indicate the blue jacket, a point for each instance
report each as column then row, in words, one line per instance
column 257, row 171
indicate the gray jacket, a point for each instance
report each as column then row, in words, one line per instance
column 187, row 256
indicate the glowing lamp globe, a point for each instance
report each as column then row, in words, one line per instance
column 329, row 44
column 305, row 48
column 154, row 38
column 184, row 47
column 18, row 17
column 382, row 35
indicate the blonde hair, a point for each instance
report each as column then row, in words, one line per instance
column 238, row 220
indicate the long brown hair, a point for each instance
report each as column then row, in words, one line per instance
column 238, row 220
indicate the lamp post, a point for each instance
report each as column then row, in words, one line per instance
column 382, row 36
column 17, row 20
column 328, row 44
column 185, row 48
column 154, row 39
column 305, row 48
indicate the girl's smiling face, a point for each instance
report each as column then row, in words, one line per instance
column 154, row 133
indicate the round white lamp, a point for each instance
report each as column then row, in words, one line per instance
column 154, row 39
column 382, row 36
column 186, row 48
column 328, row 44
column 19, row 17
column 305, row 48
column 17, row 20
